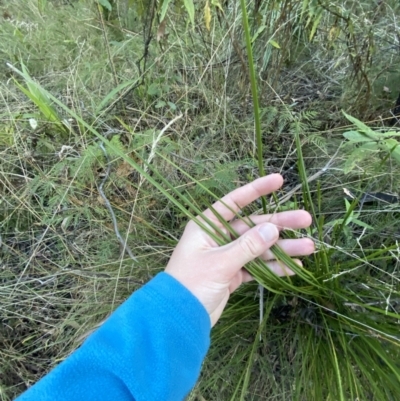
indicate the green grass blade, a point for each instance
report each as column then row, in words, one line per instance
column 256, row 108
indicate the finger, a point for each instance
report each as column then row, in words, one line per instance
column 247, row 247
column 242, row 276
column 292, row 247
column 281, row 269
column 230, row 204
column 292, row 219
column 246, row 276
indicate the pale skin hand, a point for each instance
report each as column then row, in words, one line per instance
column 213, row 272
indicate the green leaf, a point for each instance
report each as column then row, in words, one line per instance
column 106, row 4
column 396, row 154
column 356, row 136
column 160, row 104
column 304, row 8
column 38, row 96
column 217, row 4
column 394, row 149
column 391, row 133
column 362, row 224
column 347, row 203
column 164, row 9
column 333, row 223
column 190, row 9
column 371, row 146
column 273, row 43
column 172, row 106
column 361, row 126
column 154, row 90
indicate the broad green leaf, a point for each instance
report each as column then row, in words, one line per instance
column 391, row 133
column 38, row 96
column 172, row 105
column 369, row 146
column 48, row 112
column 160, row 104
column 164, row 9
column 334, row 223
column 349, row 212
column 273, row 43
column 154, row 89
column 391, row 144
column 347, row 203
column 394, row 149
column 360, row 125
column 106, row 4
column 217, row 4
column 356, row 136
column 190, row 9
column 352, row 161
column 362, row 224
column 396, row 154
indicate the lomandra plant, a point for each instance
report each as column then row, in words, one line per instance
column 350, row 348
column 339, row 339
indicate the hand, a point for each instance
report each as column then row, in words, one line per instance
column 213, row 272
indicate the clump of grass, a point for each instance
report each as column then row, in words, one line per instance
column 329, row 334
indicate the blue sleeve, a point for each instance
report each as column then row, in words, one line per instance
column 151, row 348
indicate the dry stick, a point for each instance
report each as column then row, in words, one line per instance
column 107, row 45
column 125, row 246
column 151, row 156
column 155, row 143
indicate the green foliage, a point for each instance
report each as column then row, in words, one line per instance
column 106, row 4
column 40, row 99
column 349, row 218
column 328, row 334
column 366, row 143
column 7, row 136
column 188, row 4
column 223, row 179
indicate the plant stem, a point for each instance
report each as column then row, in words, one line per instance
column 256, row 109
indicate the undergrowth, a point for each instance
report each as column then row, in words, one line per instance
column 106, row 113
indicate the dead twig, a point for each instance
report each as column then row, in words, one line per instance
column 123, row 243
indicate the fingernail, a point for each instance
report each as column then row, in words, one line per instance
column 268, row 232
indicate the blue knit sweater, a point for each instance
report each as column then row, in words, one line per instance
column 151, row 348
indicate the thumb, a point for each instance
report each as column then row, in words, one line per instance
column 249, row 246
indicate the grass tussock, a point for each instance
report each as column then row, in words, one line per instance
column 115, row 129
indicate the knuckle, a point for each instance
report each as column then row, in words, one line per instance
column 249, row 246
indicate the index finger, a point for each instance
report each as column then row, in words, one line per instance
column 230, row 204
